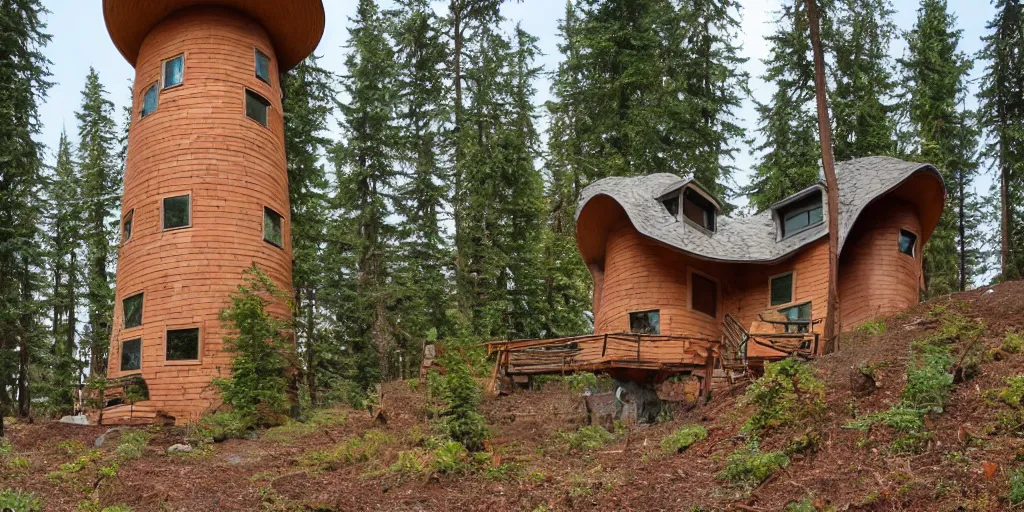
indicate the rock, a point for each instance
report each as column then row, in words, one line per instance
column 234, row 459
column 103, row 437
column 180, row 448
column 75, row 420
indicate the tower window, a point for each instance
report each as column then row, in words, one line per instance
column 132, row 307
column 149, row 99
column 183, row 344
column 177, row 212
column 131, row 355
column 262, row 66
column 256, row 107
column 908, row 242
column 272, row 227
column 645, row 322
column 126, row 226
column 781, row 288
column 174, row 71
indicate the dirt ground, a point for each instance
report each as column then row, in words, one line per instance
column 965, row 466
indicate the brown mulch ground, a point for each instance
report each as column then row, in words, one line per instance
column 850, row 471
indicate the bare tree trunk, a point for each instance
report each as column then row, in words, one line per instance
column 828, row 163
column 1006, row 222
column 963, row 234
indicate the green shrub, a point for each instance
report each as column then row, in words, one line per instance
column 683, row 438
column 258, row 387
column 20, row 501
column 748, row 465
column 6, row 448
column 1013, row 343
column 131, row 444
column 354, row 450
column 928, row 381
column 1013, row 393
column 579, row 382
column 788, row 392
column 410, row 462
column 586, row 438
column 451, row 458
column 460, row 419
column 873, row 327
column 1016, row 486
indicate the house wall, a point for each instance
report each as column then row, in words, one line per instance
column 875, row 278
column 199, row 140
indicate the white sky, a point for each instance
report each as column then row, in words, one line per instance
column 80, row 40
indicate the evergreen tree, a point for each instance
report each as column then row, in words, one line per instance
column 1002, row 116
column 308, row 104
column 101, row 186
column 862, row 112
column 366, row 182
column 23, row 72
column 787, row 122
column 943, row 132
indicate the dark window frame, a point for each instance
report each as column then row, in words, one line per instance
column 125, row 342
column 802, row 207
column 902, row 233
column 710, row 221
column 249, row 93
column 163, row 72
column 155, row 89
column 280, row 220
column 656, row 325
column 256, row 64
column 124, row 310
column 198, row 349
column 717, row 288
column 671, row 205
column 792, row 288
column 163, row 212
column 127, row 225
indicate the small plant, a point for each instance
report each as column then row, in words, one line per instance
column 748, row 465
column 806, row 443
column 683, row 438
column 6, row 448
column 788, row 392
column 579, row 382
column 19, row 501
column 873, row 327
column 410, row 462
column 131, row 444
column 586, row 438
column 18, row 463
column 294, row 429
column 354, row 450
column 807, row 505
column 1016, row 486
column 451, row 458
column 1013, row 342
column 71, row 447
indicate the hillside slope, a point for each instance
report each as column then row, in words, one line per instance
column 959, row 459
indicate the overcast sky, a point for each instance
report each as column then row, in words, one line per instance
column 80, row 40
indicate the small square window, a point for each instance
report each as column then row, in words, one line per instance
column 262, row 66
column 781, row 289
column 131, row 355
column 183, row 344
column 703, row 295
column 908, row 242
column 256, row 107
column 149, row 100
column 126, row 226
column 177, row 212
column 132, row 307
column 174, row 71
column 645, row 322
column 272, row 227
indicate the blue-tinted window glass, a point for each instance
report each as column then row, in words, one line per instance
column 262, row 66
column 174, row 71
column 148, row 101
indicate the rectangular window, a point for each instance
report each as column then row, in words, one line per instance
column 132, row 307
column 183, row 344
column 272, row 227
column 174, row 71
column 131, row 355
column 645, row 322
column 800, row 314
column 703, row 295
column 256, row 107
column 802, row 215
column 908, row 242
column 781, row 289
column 149, row 99
column 262, row 66
column 177, row 211
column 698, row 209
column 126, row 226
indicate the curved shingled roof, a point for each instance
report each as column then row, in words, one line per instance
column 750, row 239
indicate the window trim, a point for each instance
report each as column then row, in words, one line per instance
column 130, row 216
column 256, row 69
column 786, row 215
column 245, row 111
column 142, row 310
column 120, row 354
column 264, row 226
column 142, row 101
column 629, row 320
column 163, row 72
column 168, row 196
column 199, row 348
column 913, row 248
column 792, row 290
column 689, row 293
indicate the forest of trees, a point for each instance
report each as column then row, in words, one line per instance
column 442, row 213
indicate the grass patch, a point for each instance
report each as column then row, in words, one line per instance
column 1013, row 342
column 586, row 438
column 787, row 392
column 355, row 450
column 1016, row 495
column 293, row 429
column 131, row 444
column 749, row 466
column 20, row 501
column 872, row 327
column 683, row 438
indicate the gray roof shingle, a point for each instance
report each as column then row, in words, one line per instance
column 753, row 238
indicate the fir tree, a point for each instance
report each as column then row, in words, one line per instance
column 862, row 112
column 943, row 132
column 787, row 122
column 1002, row 116
column 97, row 133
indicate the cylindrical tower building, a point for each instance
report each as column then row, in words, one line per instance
column 205, row 186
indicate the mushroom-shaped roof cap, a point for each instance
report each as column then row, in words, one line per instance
column 295, row 26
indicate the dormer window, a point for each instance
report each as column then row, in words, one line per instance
column 801, row 215
column 698, row 209
column 672, row 205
